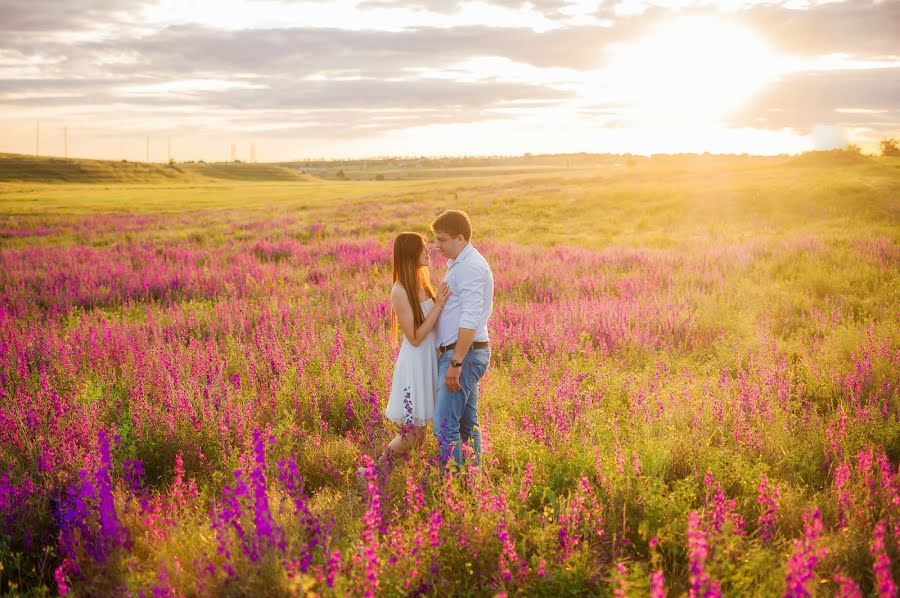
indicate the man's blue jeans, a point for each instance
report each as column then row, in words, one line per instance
column 456, row 413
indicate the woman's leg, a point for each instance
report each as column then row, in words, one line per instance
column 400, row 444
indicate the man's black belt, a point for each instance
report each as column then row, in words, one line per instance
column 475, row 345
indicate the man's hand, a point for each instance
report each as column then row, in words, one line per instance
column 452, row 378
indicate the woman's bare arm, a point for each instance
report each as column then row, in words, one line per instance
column 406, row 321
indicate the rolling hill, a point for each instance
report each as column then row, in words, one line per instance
column 38, row 169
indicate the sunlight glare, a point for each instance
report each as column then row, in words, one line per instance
column 693, row 69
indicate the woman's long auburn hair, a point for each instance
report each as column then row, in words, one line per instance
column 407, row 249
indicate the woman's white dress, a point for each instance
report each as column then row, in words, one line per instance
column 414, row 384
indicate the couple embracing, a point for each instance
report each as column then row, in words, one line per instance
column 444, row 350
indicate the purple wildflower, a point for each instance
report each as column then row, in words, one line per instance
column 435, row 522
column 293, row 484
column 768, row 500
column 133, row 472
column 882, row 565
column 230, row 517
column 371, row 528
column 806, row 555
column 698, row 550
column 847, row 588
column 333, row 567
column 526, row 482
column 266, row 531
column 841, row 488
column 509, row 561
column 112, row 531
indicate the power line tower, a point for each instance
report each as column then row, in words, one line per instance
column 253, row 153
column 169, row 148
column 233, row 152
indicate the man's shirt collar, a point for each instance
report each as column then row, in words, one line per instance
column 466, row 252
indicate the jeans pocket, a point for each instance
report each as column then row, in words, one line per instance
column 478, row 364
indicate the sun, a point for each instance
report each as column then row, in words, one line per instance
column 692, row 69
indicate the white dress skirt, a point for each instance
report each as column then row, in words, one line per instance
column 414, row 384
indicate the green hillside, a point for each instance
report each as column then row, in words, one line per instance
column 245, row 172
column 39, row 169
column 18, row 167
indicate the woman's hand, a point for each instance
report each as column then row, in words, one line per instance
column 442, row 295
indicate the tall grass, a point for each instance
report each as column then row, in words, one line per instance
column 693, row 388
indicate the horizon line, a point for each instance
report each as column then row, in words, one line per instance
column 848, row 148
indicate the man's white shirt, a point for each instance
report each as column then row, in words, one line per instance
column 471, row 299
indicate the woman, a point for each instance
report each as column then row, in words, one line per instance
column 416, row 308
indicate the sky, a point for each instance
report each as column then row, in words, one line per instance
column 295, row 79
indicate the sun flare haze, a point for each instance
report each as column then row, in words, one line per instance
column 155, row 79
column 693, row 69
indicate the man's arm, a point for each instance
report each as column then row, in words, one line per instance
column 463, row 343
column 471, row 295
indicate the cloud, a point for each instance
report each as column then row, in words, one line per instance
column 309, row 50
column 287, row 108
column 295, row 67
column 51, row 15
column 856, row 27
column 440, row 6
column 191, row 50
column 853, row 98
column 549, row 8
column 350, row 123
column 378, row 94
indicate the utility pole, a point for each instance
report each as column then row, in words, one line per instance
column 65, row 142
column 37, row 137
column 148, row 150
column 169, row 147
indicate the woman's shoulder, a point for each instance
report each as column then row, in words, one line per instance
column 398, row 292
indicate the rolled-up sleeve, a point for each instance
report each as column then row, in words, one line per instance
column 471, row 295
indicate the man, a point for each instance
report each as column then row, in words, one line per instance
column 462, row 337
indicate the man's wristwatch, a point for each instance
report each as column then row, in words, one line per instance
column 455, row 364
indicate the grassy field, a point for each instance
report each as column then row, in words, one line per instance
column 694, row 384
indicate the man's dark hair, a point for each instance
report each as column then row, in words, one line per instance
column 453, row 223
